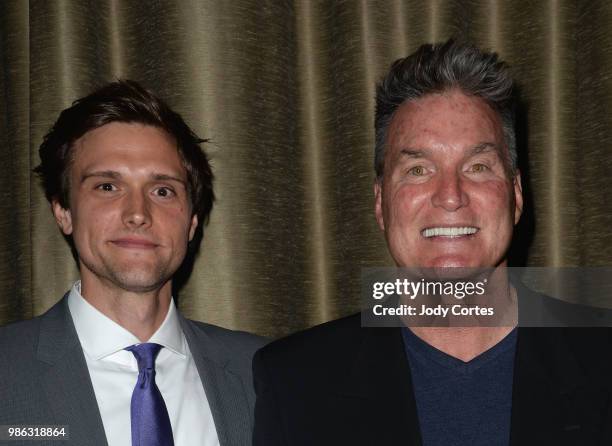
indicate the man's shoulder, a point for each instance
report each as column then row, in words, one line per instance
column 328, row 343
column 19, row 337
column 26, row 334
column 238, row 344
column 26, row 342
column 22, row 366
column 228, row 336
column 586, row 347
column 20, row 327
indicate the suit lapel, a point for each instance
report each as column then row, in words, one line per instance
column 552, row 401
column 65, row 379
column 224, row 389
column 381, row 376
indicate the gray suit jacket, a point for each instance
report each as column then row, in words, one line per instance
column 44, row 378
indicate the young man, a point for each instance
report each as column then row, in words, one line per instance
column 114, row 360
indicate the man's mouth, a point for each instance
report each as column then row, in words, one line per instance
column 447, row 231
column 134, row 243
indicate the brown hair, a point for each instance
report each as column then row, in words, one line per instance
column 129, row 102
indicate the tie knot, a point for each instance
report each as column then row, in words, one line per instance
column 145, row 354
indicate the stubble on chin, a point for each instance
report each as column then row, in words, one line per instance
column 130, row 278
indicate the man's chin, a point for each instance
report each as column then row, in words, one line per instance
column 445, row 261
column 139, row 280
column 444, row 267
column 139, row 285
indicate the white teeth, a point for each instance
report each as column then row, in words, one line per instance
column 449, row 232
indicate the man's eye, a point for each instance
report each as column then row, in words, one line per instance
column 164, row 192
column 479, row 167
column 106, row 187
column 417, row 171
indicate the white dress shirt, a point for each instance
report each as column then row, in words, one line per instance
column 114, row 373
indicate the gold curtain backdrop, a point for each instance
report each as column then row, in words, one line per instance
column 285, row 92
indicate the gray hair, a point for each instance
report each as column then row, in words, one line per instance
column 438, row 68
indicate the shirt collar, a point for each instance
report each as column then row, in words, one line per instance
column 100, row 336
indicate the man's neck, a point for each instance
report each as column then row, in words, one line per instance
column 467, row 342
column 464, row 343
column 139, row 313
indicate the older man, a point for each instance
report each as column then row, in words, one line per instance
column 114, row 362
column 447, row 194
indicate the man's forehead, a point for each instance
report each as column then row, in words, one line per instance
column 445, row 119
column 118, row 131
column 428, row 152
column 121, row 147
column 455, row 103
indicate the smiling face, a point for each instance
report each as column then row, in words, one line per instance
column 446, row 198
column 130, row 215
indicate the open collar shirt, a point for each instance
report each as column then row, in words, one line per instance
column 114, row 372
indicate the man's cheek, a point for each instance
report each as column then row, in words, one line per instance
column 496, row 189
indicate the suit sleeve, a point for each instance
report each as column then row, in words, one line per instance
column 268, row 424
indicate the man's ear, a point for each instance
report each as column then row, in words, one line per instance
column 378, row 204
column 193, row 227
column 518, row 197
column 63, row 217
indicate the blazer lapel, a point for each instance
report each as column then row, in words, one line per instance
column 381, row 376
column 224, row 389
column 65, row 378
column 552, row 401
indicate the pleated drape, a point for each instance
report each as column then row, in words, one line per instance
column 285, row 92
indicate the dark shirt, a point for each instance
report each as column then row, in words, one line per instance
column 462, row 403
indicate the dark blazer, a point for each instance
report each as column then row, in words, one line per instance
column 44, row 378
column 341, row 384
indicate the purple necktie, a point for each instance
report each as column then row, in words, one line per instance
column 150, row 420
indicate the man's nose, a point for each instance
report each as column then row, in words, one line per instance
column 136, row 212
column 449, row 192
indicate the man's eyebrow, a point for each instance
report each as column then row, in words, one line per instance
column 413, row 153
column 114, row 175
column 484, row 147
column 101, row 174
column 166, row 177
